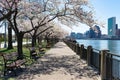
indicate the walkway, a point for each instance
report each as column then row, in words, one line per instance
column 59, row 63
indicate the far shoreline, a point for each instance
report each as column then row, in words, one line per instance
column 98, row 39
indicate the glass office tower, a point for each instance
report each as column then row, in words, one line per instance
column 112, row 26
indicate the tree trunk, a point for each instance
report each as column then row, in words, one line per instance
column 10, row 46
column 19, row 45
column 47, row 39
column 33, row 41
column 39, row 40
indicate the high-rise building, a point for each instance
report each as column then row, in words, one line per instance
column 97, row 31
column 118, row 32
column 91, row 33
column 73, row 35
column 112, row 26
column 79, row 35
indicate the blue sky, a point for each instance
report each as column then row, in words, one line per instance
column 104, row 9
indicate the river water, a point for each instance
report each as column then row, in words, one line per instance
column 112, row 45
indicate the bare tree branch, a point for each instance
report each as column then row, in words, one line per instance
column 44, row 30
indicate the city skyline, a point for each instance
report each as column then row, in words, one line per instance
column 104, row 9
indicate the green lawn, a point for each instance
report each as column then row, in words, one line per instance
column 5, row 51
column 27, row 57
column 25, row 52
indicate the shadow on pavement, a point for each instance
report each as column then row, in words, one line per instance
column 48, row 64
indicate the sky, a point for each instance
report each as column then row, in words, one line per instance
column 104, row 9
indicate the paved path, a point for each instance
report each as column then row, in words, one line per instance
column 59, row 63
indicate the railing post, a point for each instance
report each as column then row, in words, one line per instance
column 109, row 66
column 71, row 46
column 77, row 49
column 81, row 51
column 68, row 43
column 99, row 69
column 74, row 47
column 89, row 53
column 103, row 64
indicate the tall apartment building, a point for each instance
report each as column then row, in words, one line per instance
column 112, row 26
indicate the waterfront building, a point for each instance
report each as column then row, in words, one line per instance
column 112, row 27
column 86, row 34
column 118, row 32
column 104, row 36
column 79, row 35
column 73, row 35
column 97, row 31
column 91, row 33
column 116, row 26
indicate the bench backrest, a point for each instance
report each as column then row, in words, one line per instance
column 32, row 49
column 10, row 56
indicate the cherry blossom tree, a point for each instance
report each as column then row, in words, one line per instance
column 41, row 12
column 7, row 9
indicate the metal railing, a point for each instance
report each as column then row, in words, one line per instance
column 113, row 66
column 96, row 59
column 107, row 64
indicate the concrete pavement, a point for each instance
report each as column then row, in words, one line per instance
column 59, row 63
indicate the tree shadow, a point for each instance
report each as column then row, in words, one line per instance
column 49, row 63
column 59, row 46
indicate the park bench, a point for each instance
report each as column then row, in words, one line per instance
column 41, row 49
column 33, row 53
column 48, row 45
column 11, row 63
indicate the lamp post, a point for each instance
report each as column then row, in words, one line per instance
column 5, row 39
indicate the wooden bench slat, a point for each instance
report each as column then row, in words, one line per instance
column 11, row 65
column 33, row 53
column 11, row 62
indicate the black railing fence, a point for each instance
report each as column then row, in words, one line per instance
column 106, row 63
column 113, row 66
column 95, row 59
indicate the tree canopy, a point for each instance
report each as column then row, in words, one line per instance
column 35, row 16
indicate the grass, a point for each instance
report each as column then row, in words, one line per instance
column 1, row 67
column 25, row 52
column 4, row 50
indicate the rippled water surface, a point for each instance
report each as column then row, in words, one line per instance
column 112, row 45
